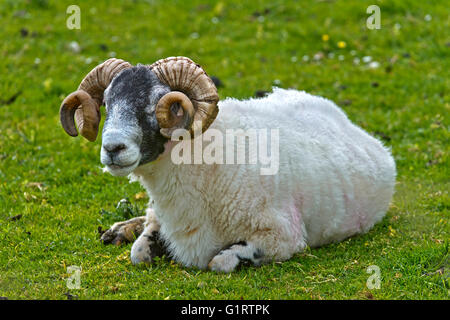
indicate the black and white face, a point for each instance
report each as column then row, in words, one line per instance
column 131, row 135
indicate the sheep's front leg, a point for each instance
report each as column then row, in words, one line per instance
column 149, row 244
column 124, row 231
column 241, row 253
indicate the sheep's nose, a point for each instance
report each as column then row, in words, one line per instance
column 114, row 147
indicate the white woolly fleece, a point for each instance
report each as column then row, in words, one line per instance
column 334, row 181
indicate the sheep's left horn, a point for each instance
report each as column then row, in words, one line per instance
column 84, row 104
column 167, row 121
column 182, row 74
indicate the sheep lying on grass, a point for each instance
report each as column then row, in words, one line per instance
column 328, row 179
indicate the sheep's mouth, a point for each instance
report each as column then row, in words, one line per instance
column 121, row 170
column 118, row 166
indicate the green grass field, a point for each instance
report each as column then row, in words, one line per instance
column 54, row 195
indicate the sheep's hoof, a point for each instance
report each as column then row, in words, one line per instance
column 124, row 232
column 225, row 262
column 147, row 247
column 235, row 256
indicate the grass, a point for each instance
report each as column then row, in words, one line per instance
column 53, row 185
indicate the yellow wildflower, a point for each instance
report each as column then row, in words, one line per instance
column 341, row 44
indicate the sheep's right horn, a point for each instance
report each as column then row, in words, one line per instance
column 87, row 122
column 84, row 104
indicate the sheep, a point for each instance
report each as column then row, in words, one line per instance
column 332, row 180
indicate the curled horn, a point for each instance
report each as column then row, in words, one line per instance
column 192, row 88
column 84, row 104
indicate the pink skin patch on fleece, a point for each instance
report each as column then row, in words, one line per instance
column 296, row 220
column 356, row 216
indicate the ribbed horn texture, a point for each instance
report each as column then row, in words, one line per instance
column 183, row 74
column 85, row 103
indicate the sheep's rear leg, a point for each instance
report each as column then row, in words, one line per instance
column 124, row 231
column 241, row 253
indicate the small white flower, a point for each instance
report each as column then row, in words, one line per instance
column 367, row 59
column 37, row 61
column 331, row 55
column 427, row 17
column 356, row 60
column 122, row 203
column 374, row 65
column 74, row 47
column 88, row 60
column 112, row 54
column 277, row 82
column 318, row 56
column 305, row 58
column 353, row 52
column 215, row 20
column 195, row 35
column 397, row 26
column 293, row 59
column 341, row 57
